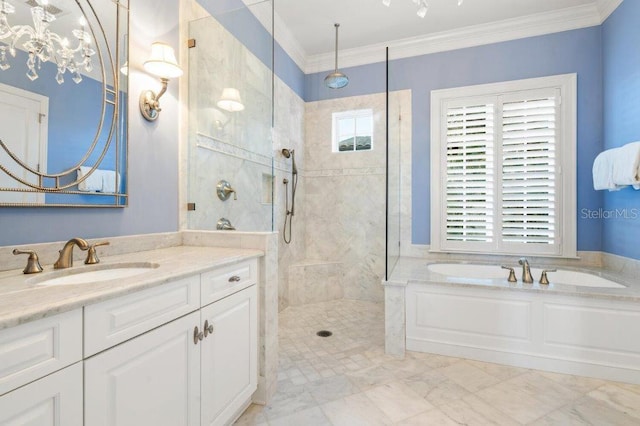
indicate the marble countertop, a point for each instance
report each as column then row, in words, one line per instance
column 21, row 300
column 410, row 270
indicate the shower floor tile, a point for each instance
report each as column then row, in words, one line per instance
column 346, row 379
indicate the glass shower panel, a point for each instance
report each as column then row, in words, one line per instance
column 395, row 101
column 230, row 119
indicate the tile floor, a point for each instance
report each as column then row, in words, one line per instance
column 346, row 379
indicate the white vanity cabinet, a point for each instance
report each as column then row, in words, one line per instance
column 198, row 369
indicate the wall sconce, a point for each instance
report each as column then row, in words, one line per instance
column 162, row 64
column 230, row 100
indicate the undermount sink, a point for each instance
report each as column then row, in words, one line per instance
column 93, row 274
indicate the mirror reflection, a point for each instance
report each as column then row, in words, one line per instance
column 62, row 102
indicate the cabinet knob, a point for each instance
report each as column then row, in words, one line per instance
column 208, row 328
column 197, row 335
column 234, row 279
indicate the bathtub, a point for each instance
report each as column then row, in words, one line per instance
column 584, row 322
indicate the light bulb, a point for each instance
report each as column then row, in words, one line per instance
column 386, row 2
column 460, row 2
column 422, row 10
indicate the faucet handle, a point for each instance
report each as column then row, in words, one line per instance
column 512, row 274
column 543, row 278
column 92, row 256
column 33, row 264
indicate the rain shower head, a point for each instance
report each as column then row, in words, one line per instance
column 337, row 79
column 287, row 153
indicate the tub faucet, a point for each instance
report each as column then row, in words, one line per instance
column 526, row 271
column 65, row 260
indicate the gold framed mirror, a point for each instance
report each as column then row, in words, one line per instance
column 63, row 107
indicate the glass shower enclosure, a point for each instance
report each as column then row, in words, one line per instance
column 230, row 164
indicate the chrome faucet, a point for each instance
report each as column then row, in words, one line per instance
column 65, row 260
column 526, row 271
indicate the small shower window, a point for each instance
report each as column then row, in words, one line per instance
column 353, row 130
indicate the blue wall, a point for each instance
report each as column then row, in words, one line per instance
column 577, row 51
column 621, row 47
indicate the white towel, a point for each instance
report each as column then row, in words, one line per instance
column 98, row 181
column 617, row 168
column 109, row 180
column 93, row 182
column 626, row 165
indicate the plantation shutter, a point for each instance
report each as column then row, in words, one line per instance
column 529, row 146
column 470, row 168
column 503, row 167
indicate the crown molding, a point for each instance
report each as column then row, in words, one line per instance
column 606, row 8
column 494, row 32
column 281, row 32
column 288, row 42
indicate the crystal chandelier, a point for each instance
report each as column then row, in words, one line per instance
column 44, row 45
column 423, row 6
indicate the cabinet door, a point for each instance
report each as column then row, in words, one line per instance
column 229, row 356
column 153, row 379
column 52, row 400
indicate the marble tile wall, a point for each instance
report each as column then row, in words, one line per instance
column 288, row 133
column 312, row 282
column 234, row 146
column 345, row 199
column 221, row 61
column 248, row 175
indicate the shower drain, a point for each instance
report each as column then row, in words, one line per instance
column 324, row 333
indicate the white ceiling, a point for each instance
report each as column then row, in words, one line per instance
column 366, row 23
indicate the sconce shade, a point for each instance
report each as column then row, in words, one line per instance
column 162, row 62
column 230, row 100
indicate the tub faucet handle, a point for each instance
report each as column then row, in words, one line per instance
column 543, row 278
column 512, row 274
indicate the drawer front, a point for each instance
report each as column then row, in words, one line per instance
column 228, row 280
column 35, row 349
column 108, row 323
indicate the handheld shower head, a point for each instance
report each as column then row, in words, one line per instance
column 290, row 153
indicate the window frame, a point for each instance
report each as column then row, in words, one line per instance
column 354, row 114
column 566, row 149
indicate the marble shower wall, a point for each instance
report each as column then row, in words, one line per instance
column 234, row 146
column 344, row 205
column 288, row 133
